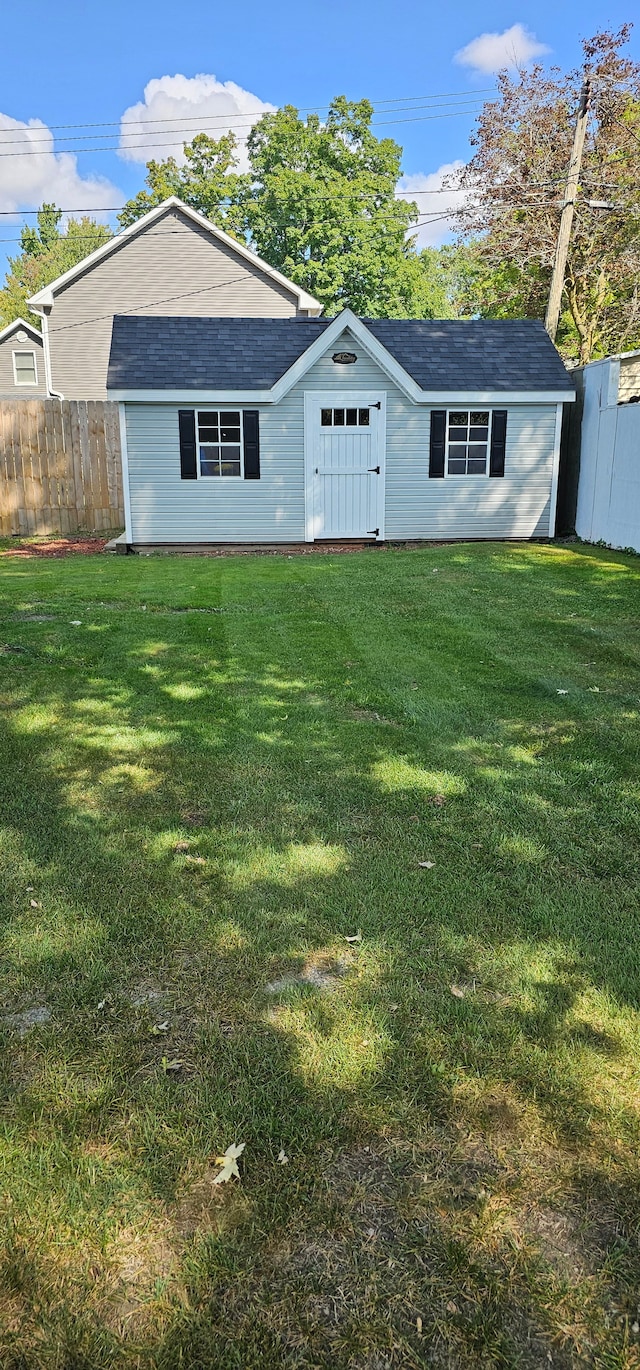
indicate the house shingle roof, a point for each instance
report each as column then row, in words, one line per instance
column 150, row 353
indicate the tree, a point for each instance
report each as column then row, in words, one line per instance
column 323, row 208
column 514, row 184
column 206, row 182
column 318, row 203
column 45, row 254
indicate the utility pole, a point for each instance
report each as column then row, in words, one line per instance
column 566, row 218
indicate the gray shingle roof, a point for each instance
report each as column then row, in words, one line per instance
column 252, row 354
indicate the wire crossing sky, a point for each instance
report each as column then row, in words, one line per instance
column 88, row 94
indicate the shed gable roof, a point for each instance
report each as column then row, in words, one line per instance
column 46, row 296
column 420, row 355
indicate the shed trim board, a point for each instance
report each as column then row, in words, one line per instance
column 124, row 451
column 553, row 500
column 45, row 298
column 347, row 321
column 433, row 398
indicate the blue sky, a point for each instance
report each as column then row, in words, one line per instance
column 81, row 63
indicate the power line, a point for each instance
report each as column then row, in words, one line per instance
column 177, row 124
column 150, row 147
column 303, row 109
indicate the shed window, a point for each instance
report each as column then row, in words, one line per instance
column 25, row 370
column 344, row 418
column 220, row 442
column 468, row 433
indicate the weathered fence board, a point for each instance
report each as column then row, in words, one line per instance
column 60, row 467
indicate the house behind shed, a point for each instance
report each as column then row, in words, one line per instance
column 22, row 370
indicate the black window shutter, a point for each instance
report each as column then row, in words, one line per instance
column 251, row 429
column 437, row 442
column 498, row 442
column 188, row 453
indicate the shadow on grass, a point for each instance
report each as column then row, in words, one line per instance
column 195, row 832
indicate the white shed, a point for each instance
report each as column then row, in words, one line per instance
column 292, row 430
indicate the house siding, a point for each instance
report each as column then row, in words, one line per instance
column 172, row 267
column 166, row 509
column 8, row 387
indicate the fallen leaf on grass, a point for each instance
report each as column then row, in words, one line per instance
column 158, row 1028
column 34, row 904
column 30, row 888
column 562, row 692
column 356, row 937
column 283, row 1159
column 75, row 622
column 419, row 1326
column 438, row 799
column 594, row 689
column 171, row 1067
column 452, row 1307
column 101, row 1004
column 426, row 865
column 229, row 1163
column 455, row 990
column 181, row 847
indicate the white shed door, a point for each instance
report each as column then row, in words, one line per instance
column 345, row 466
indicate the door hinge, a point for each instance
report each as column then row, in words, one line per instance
column 376, row 405
column 374, row 470
column 375, row 531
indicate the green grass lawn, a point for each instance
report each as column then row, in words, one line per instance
column 213, row 782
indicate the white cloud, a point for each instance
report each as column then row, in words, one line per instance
column 434, row 202
column 189, row 105
column 40, row 174
column 493, row 52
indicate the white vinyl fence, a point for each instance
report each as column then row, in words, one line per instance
column 608, row 508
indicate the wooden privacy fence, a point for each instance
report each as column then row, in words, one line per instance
column 60, row 467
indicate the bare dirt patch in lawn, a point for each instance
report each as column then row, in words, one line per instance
column 320, row 971
column 56, row 547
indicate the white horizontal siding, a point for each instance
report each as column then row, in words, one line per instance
column 167, row 509
column 513, row 506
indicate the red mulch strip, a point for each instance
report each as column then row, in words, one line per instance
column 57, row 547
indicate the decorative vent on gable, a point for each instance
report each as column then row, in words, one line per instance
column 344, row 358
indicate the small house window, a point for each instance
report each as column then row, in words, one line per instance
column 468, row 433
column 25, row 370
column 220, row 442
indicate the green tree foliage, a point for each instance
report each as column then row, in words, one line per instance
column 45, row 254
column 323, row 209
column 318, row 203
column 206, row 182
